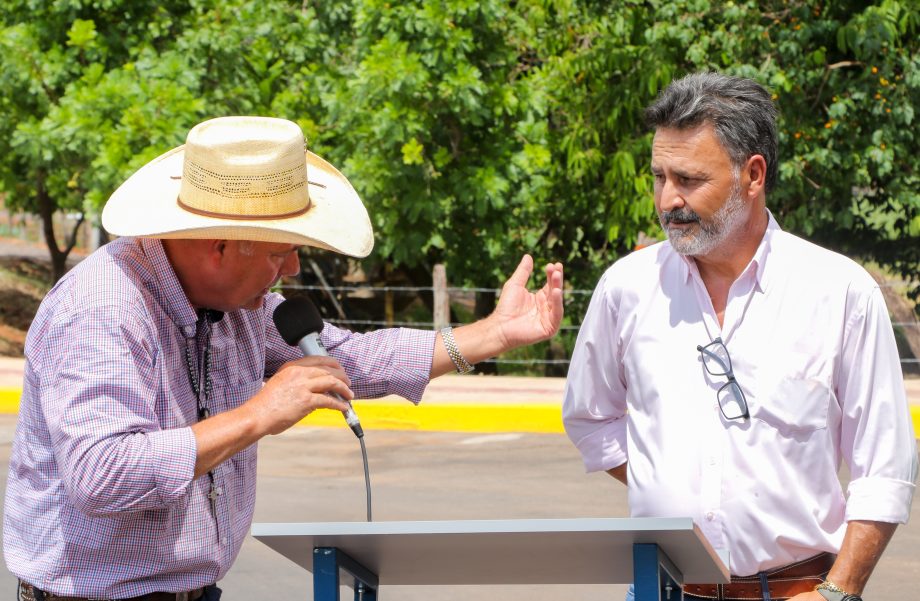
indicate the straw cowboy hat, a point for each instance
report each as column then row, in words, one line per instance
column 242, row 178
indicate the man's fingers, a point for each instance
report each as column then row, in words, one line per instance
column 554, row 275
column 522, row 272
column 315, row 361
column 322, row 382
column 324, row 401
column 317, row 365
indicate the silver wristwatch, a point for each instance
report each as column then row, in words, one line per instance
column 831, row 592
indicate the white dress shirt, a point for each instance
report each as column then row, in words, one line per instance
column 811, row 346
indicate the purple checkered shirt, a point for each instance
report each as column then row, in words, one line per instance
column 101, row 500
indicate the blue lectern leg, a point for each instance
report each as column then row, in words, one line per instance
column 327, row 561
column 654, row 575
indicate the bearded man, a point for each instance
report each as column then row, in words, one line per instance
column 726, row 372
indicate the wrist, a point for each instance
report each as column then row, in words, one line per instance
column 453, row 351
column 480, row 340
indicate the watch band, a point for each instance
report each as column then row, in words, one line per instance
column 463, row 366
column 832, row 592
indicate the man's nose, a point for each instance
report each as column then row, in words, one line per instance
column 669, row 197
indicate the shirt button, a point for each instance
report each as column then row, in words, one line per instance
column 710, row 516
column 224, row 540
column 712, row 461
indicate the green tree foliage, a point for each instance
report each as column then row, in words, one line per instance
column 90, row 92
column 845, row 77
column 93, row 90
column 474, row 130
column 440, row 130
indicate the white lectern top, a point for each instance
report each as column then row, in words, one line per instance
column 563, row 551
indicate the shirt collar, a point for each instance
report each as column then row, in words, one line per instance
column 764, row 250
column 166, row 287
column 758, row 261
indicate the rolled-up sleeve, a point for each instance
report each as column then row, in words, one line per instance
column 877, row 437
column 392, row 361
column 594, row 408
column 99, row 399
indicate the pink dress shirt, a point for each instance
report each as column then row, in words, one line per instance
column 101, row 500
column 812, row 348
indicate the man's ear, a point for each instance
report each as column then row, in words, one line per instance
column 215, row 252
column 754, row 176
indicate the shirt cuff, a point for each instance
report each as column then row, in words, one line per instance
column 176, row 452
column 605, row 447
column 411, row 368
column 879, row 500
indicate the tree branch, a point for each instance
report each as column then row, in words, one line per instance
column 73, row 235
column 843, row 64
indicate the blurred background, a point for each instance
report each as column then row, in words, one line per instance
column 474, row 131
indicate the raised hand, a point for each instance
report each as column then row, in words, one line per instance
column 525, row 317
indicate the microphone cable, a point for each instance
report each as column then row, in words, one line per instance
column 367, row 477
column 299, row 323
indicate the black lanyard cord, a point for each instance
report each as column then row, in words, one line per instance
column 203, row 395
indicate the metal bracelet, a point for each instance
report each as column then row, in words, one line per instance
column 463, row 366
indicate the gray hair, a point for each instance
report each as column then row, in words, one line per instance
column 740, row 111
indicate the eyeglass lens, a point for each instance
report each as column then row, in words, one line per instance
column 731, row 401
column 717, row 362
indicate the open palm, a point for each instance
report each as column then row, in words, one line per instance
column 526, row 317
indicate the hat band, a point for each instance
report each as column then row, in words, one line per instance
column 204, row 213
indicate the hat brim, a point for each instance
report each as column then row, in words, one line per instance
column 146, row 205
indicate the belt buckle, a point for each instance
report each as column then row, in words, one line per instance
column 182, row 597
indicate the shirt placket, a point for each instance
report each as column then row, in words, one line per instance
column 712, row 451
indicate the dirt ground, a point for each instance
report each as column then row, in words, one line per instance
column 25, row 278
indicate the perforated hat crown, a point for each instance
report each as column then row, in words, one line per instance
column 242, row 178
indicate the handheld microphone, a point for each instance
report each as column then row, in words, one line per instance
column 299, row 323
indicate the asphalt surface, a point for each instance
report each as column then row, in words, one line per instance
column 316, row 474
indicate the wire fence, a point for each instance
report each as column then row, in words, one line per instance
column 909, row 362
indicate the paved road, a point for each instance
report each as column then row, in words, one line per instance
column 315, row 474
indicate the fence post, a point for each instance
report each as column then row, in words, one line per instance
column 441, row 298
column 388, row 312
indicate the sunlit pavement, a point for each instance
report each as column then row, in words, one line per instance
column 311, row 474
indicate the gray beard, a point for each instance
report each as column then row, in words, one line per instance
column 710, row 234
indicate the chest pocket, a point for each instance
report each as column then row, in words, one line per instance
column 231, row 396
column 794, row 398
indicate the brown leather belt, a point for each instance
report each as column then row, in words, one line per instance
column 785, row 582
column 28, row 593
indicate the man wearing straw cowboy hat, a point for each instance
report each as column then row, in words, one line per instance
column 154, row 366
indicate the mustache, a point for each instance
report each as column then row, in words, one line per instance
column 684, row 215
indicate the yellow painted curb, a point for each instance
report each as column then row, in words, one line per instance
column 384, row 415
column 402, row 415
column 542, row 419
column 9, row 400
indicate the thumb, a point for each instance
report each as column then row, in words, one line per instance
column 523, row 271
